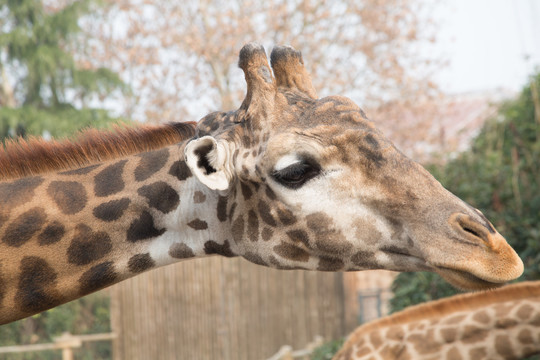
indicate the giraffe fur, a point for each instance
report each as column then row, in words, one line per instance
column 499, row 324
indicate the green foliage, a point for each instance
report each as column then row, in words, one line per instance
column 58, row 122
column 88, row 315
column 328, row 350
column 500, row 176
column 51, row 89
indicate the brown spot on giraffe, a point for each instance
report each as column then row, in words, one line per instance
column 270, row 193
column 109, row 180
column 253, row 226
column 376, row 339
column 265, row 214
column 423, row 343
column 181, row 251
column 143, row 228
column 97, row 277
column 449, row 334
column 18, row 192
column 525, row 337
column 395, row 333
column 238, row 229
column 211, row 247
column 505, row 322
column 198, row 224
column 482, row 317
column 254, row 258
column 291, row 252
column 199, row 197
column 22, row 228
column 474, row 334
column 246, row 191
column 327, row 237
column 53, row 233
column 454, row 354
column 364, row 258
column 286, row 216
column 69, row 196
column 111, row 210
column 299, row 235
column 477, row 353
column 150, row 163
column 222, row 208
column 455, row 319
column 366, row 229
column 180, row 170
column 504, row 347
column 525, row 311
column 140, row 262
column 330, row 264
column 267, row 234
column 160, row 196
column 231, row 211
column 88, row 246
column 36, row 285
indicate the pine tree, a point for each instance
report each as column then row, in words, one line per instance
column 42, row 88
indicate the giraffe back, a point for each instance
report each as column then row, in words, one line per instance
column 496, row 324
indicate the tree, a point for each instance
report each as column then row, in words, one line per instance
column 43, row 86
column 500, row 176
column 181, row 57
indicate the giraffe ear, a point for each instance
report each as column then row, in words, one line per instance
column 208, row 161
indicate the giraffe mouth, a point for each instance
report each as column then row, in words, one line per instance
column 465, row 280
column 405, row 260
column 460, row 279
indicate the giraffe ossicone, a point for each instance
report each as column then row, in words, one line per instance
column 288, row 181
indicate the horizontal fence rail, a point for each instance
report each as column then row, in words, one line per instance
column 66, row 342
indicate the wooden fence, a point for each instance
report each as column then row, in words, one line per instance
column 218, row 308
column 66, row 343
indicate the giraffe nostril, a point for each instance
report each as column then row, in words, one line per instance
column 468, row 227
column 471, row 231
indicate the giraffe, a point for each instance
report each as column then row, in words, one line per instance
column 498, row 324
column 287, row 181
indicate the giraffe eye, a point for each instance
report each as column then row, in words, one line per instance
column 297, row 174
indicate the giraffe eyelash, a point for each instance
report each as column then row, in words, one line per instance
column 297, row 174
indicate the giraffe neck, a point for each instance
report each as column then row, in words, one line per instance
column 64, row 235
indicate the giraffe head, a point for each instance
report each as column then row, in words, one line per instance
column 311, row 183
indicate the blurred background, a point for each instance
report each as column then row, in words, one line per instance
column 454, row 84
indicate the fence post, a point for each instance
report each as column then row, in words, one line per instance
column 67, row 343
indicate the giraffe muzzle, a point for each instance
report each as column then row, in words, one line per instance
column 490, row 262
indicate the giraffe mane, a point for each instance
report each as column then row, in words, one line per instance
column 462, row 302
column 26, row 157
